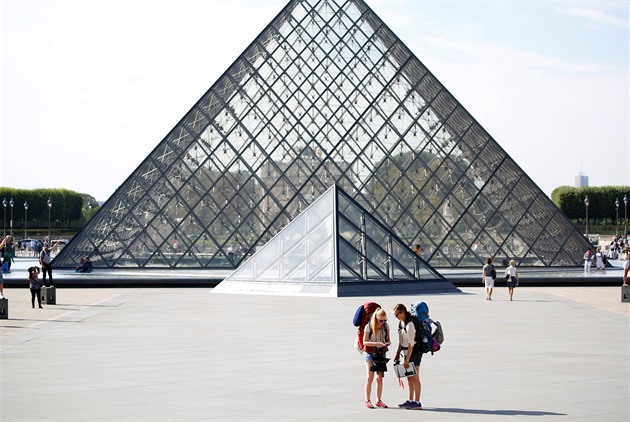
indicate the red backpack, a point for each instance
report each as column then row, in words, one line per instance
column 361, row 319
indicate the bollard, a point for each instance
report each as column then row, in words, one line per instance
column 625, row 294
column 49, row 295
column 4, row 308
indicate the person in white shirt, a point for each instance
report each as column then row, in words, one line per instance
column 412, row 354
column 513, row 281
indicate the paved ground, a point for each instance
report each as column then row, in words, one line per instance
column 558, row 354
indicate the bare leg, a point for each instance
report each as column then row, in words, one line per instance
column 379, row 386
column 368, row 381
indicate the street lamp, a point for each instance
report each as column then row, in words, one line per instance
column 586, row 202
column 49, row 202
column 617, row 224
column 11, row 203
column 25, row 217
column 4, row 218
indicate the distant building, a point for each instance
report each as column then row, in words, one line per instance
column 581, row 180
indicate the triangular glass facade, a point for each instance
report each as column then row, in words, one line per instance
column 332, row 243
column 325, row 94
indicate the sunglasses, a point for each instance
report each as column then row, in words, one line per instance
column 382, row 320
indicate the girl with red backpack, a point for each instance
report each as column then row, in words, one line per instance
column 375, row 342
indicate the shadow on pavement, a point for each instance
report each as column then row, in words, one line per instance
column 492, row 412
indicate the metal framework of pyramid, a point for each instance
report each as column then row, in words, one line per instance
column 325, row 94
column 334, row 248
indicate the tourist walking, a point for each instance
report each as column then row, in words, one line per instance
column 488, row 275
column 411, row 354
column 626, row 267
column 35, row 286
column 8, row 252
column 599, row 255
column 512, row 282
column 376, row 342
column 2, row 243
column 588, row 259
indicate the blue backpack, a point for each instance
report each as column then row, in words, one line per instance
column 428, row 340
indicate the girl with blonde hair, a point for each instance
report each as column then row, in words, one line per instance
column 376, row 341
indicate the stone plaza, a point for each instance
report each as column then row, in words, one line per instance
column 140, row 354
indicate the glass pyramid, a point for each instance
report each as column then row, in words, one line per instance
column 325, row 94
column 334, row 247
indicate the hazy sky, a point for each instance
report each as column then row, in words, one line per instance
column 90, row 87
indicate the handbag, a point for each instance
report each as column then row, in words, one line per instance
column 379, row 363
column 507, row 277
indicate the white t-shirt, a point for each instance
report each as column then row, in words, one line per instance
column 381, row 336
column 407, row 336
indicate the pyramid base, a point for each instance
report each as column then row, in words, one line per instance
column 340, row 290
column 276, row 288
column 395, row 289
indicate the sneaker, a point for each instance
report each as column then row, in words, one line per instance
column 381, row 404
column 414, row 406
column 405, row 404
column 369, row 404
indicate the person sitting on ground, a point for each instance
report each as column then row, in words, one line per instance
column 80, row 265
column 84, row 266
column 88, row 265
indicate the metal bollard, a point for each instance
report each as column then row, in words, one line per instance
column 4, row 308
column 625, row 294
column 49, row 295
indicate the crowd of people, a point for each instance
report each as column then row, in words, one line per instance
column 8, row 248
column 618, row 246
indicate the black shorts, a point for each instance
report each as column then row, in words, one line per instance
column 416, row 356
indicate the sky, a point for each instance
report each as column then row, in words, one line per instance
column 90, row 87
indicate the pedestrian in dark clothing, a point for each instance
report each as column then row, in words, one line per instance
column 45, row 260
column 35, row 286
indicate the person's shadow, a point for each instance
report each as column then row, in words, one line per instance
column 500, row 412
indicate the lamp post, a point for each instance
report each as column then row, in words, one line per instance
column 625, row 215
column 25, row 218
column 11, row 203
column 586, row 202
column 617, row 224
column 4, row 217
column 49, row 202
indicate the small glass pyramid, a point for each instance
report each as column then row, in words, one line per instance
column 334, row 247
